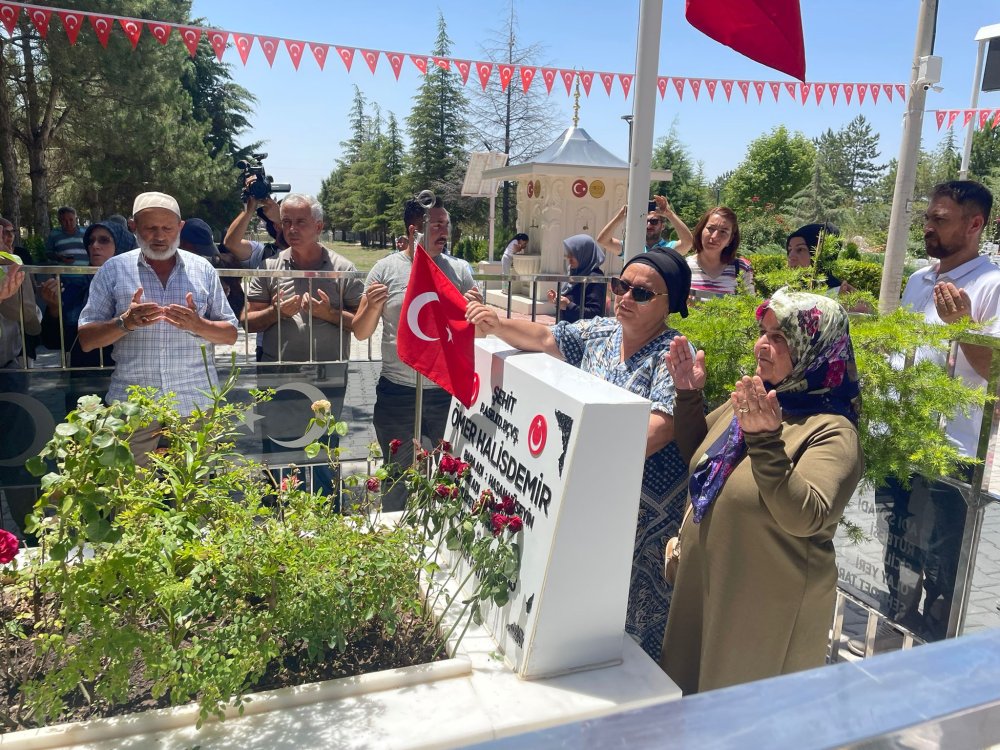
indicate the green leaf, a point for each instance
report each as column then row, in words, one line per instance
column 35, row 465
column 312, row 450
column 67, row 429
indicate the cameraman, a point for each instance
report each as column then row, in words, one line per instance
column 251, row 253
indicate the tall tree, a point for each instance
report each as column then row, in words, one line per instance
column 687, row 191
column 437, row 126
column 821, row 200
column 516, row 122
column 92, row 121
column 777, row 166
column 985, row 157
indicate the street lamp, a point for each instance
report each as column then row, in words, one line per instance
column 628, row 119
column 984, row 36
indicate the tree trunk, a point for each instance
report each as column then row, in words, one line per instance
column 10, row 193
column 38, row 130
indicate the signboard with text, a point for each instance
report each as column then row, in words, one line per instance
column 569, row 448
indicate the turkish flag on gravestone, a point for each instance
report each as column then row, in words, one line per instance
column 434, row 338
column 768, row 31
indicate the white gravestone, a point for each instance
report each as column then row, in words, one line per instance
column 569, row 448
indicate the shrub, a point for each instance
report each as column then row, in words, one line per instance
column 900, row 408
column 472, row 250
column 865, row 276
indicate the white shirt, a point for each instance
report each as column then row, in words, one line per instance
column 507, row 261
column 981, row 281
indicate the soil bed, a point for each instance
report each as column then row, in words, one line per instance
column 369, row 652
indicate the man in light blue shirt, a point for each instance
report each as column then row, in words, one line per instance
column 158, row 307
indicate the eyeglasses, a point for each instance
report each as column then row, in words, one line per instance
column 640, row 294
column 654, row 222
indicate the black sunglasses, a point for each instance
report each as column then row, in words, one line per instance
column 640, row 294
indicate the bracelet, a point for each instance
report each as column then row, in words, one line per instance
column 121, row 323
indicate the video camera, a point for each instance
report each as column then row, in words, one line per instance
column 253, row 166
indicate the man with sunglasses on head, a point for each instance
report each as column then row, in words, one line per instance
column 655, row 224
column 628, row 351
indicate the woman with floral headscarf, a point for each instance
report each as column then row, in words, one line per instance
column 771, row 473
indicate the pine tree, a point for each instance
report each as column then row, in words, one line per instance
column 438, row 131
column 687, row 192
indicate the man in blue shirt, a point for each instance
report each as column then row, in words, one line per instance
column 158, row 307
column 654, row 228
column 65, row 245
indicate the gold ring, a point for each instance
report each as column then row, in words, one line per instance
column 745, row 409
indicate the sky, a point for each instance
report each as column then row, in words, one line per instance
column 302, row 114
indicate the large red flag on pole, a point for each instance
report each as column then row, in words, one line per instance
column 434, row 338
column 768, row 31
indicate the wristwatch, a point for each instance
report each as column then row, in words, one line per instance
column 120, row 320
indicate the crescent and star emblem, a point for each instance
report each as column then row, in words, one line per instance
column 413, row 316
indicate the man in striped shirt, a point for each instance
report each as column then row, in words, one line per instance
column 159, row 308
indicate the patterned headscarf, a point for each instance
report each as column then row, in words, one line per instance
column 823, row 380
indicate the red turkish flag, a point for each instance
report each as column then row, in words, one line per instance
column 371, row 57
column 527, row 76
column 625, row 79
column 190, row 35
column 9, row 15
column 464, row 66
column 484, row 69
column 661, row 83
column 132, row 29
column 420, row 62
column 320, row 51
column 506, row 74
column 549, row 76
column 71, row 24
column 939, row 116
column 395, row 62
column 346, row 55
column 568, row 76
column 102, row 27
column 295, row 50
column 768, row 31
column 243, row 44
column 270, row 46
column 607, row 79
column 434, row 338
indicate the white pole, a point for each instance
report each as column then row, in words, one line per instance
column 647, row 58
column 493, row 216
column 977, row 76
column 906, row 173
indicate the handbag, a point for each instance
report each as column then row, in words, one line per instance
column 672, row 552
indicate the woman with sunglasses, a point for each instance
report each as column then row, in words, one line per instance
column 628, row 350
column 578, row 300
column 773, row 469
column 715, row 267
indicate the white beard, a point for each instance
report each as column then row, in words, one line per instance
column 152, row 254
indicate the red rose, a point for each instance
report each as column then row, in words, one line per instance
column 290, row 483
column 448, row 464
column 499, row 521
column 507, row 505
column 454, row 493
column 462, row 468
column 8, row 547
column 442, row 490
column 394, row 446
column 446, row 446
column 372, row 484
column 514, row 524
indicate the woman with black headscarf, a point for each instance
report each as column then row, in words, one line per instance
column 772, row 470
column 578, row 300
column 628, row 351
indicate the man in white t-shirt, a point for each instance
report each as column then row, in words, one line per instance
column 926, row 522
column 515, row 247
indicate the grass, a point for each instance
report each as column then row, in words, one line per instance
column 362, row 257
